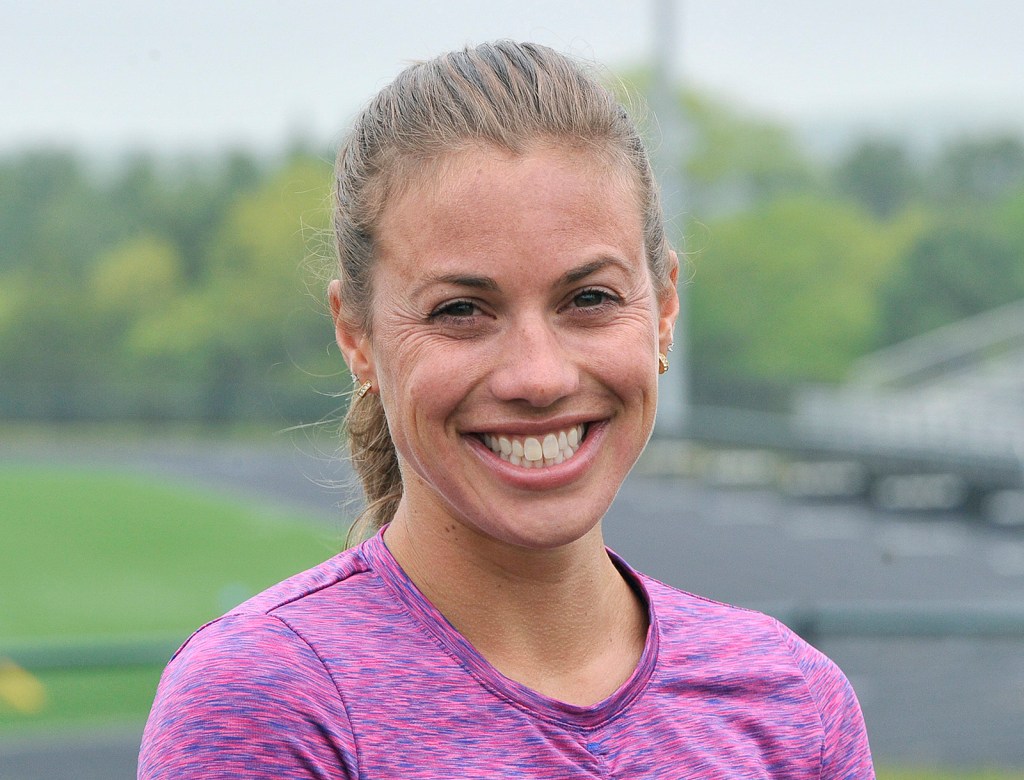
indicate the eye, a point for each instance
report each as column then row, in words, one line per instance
column 593, row 298
column 455, row 310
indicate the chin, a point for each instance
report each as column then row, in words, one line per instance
column 540, row 533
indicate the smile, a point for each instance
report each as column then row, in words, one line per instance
column 535, row 452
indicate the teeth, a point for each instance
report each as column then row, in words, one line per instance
column 532, row 450
column 550, row 446
column 536, row 452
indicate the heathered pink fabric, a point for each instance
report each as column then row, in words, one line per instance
column 346, row 671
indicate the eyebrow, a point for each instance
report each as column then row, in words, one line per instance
column 585, row 270
column 463, row 280
column 489, row 284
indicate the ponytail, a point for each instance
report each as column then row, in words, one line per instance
column 373, row 456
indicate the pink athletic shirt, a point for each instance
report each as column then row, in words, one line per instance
column 347, row 671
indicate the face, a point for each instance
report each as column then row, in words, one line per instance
column 514, row 341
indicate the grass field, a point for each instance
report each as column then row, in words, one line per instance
column 101, row 554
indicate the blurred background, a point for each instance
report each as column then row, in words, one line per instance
column 842, row 429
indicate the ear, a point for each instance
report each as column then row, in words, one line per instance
column 354, row 343
column 668, row 305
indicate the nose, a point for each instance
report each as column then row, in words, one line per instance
column 534, row 365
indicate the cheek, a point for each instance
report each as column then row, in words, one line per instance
column 632, row 363
column 632, row 354
column 420, row 388
column 622, row 367
column 402, row 356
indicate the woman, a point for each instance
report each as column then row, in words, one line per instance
column 505, row 300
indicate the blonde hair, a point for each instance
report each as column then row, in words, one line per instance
column 504, row 94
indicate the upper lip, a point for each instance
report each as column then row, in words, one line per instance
column 534, row 427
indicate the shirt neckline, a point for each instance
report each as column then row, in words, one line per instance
column 383, row 563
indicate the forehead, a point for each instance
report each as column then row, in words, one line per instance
column 543, row 203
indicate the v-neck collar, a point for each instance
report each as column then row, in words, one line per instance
column 382, row 562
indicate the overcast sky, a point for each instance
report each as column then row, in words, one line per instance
column 200, row 74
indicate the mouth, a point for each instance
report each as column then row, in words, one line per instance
column 536, row 452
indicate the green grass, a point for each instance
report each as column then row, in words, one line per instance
column 89, row 553
column 947, row 774
column 97, row 553
column 92, row 697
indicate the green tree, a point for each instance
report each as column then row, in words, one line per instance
column 1007, row 220
column 788, row 292
column 880, row 176
column 54, row 219
column 953, row 271
column 733, row 159
column 736, row 160
column 251, row 309
column 979, row 169
column 47, row 357
column 135, row 278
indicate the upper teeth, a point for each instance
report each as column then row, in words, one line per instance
column 536, row 451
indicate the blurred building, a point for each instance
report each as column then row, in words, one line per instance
column 947, row 405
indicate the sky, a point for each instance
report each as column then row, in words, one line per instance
column 102, row 75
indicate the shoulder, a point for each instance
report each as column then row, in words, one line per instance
column 240, row 662
column 342, row 570
column 748, row 650
column 254, row 638
column 846, row 752
column 247, row 693
column 246, row 697
column 730, row 634
column 726, row 628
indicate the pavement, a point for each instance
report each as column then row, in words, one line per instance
column 89, row 754
column 952, row 702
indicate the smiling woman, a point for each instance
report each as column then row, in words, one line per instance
column 505, row 299
column 512, row 301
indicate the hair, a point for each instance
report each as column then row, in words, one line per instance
column 506, row 95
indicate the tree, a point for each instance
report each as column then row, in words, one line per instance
column 787, row 292
column 953, row 271
column 135, row 277
column 250, row 309
column 53, row 218
column 47, row 359
column 732, row 159
column 736, row 160
column 880, row 176
column 979, row 169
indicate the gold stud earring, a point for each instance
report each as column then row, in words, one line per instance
column 363, row 389
column 662, row 363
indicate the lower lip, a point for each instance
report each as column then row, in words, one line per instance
column 548, row 477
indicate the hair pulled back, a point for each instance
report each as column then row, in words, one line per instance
column 506, row 95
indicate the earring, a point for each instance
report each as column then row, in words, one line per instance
column 363, row 389
column 662, row 363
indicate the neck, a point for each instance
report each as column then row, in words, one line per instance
column 562, row 621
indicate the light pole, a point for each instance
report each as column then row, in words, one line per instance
column 673, row 396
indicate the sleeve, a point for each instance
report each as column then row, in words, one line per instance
column 246, row 697
column 845, row 754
